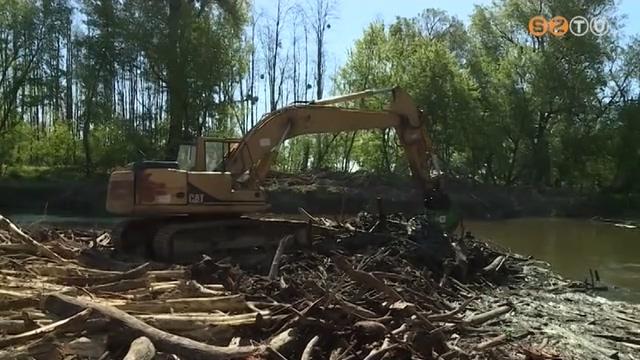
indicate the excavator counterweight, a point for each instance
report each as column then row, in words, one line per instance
column 199, row 204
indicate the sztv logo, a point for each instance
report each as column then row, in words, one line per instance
column 559, row 26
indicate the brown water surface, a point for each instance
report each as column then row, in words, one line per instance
column 572, row 247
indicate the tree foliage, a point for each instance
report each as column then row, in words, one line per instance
column 98, row 83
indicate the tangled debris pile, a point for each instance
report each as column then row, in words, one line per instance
column 365, row 290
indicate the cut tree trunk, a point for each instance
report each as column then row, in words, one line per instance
column 141, row 349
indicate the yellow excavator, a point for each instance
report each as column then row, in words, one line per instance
column 201, row 203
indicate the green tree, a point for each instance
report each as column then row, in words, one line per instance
column 193, row 49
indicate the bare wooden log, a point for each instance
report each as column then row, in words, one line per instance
column 38, row 284
column 141, row 349
column 221, row 303
column 164, row 342
column 493, row 266
column 13, row 295
column 283, row 340
column 275, row 263
column 305, row 213
column 489, row 315
column 98, row 280
column 192, row 288
column 40, row 249
column 493, row 342
column 180, row 322
column 209, row 334
column 48, row 329
column 58, row 271
column 121, row 286
column 308, row 350
column 365, row 278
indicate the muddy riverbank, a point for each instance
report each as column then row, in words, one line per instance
column 330, row 193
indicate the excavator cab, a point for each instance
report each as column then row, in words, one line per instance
column 196, row 183
column 205, row 154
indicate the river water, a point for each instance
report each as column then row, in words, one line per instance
column 571, row 246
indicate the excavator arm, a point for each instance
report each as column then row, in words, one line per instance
column 249, row 162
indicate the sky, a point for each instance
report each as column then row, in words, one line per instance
column 352, row 17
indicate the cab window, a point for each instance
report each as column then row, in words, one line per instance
column 186, row 157
column 215, row 153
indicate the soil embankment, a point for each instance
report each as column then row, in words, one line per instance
column 330, row 193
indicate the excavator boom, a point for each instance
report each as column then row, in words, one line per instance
column 320, row 117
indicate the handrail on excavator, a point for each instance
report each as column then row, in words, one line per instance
column 350, row 97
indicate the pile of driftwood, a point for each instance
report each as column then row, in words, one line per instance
column 363, row 292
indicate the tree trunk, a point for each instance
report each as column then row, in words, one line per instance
column 69, row 77
column 86, row 127
column 176, row 82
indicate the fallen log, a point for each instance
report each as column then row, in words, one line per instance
column 283, row 340
column 48, row 329
column 494, row 265
column 58, row 271
column 180, row 322
column 93, row 280
column 192, row 288
column 220, row 303
column 163, row 341
column 39, row 248
column 489, row 315
column 121, row 286
column 275, row 263
column 141, row 349
column 493, row 342
column 308, row 350
column 365, row 278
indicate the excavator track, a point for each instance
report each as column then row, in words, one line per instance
column 184, row 240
